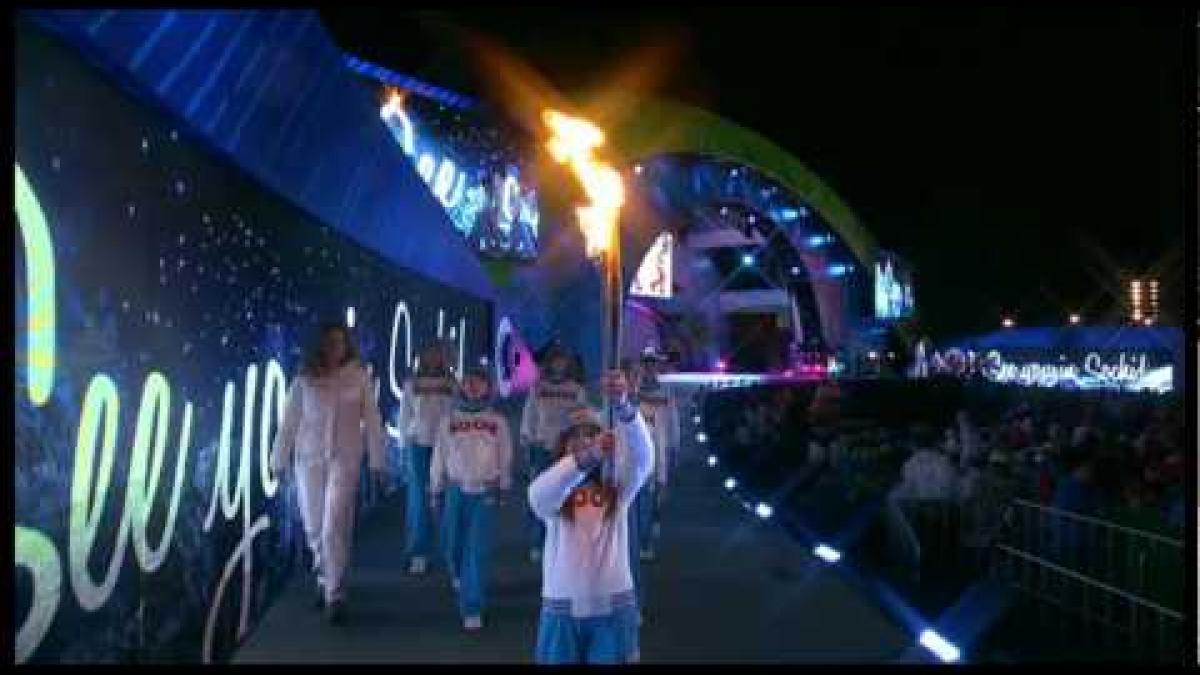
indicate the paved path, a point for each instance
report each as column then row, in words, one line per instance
column 726, row 587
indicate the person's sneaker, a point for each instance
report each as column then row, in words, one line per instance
column 417, row 566
column 473, row 623
column 335, row 613
column 535, row 555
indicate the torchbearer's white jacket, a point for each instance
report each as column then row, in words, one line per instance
column 426, row 401
column 545, row 413
column 585, row 562
column 326, row 418
column 473, row 451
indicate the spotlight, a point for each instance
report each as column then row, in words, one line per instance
column 752, row 218
column 1074, row 319
column 730, row 483
column 712, row 460
column 696, row 419
column 827, row 554
column 764, row 511
column 747, row 259
column 940, row 647
column 872, row 355
column 350, row 317
column 724, row 210
column 1007, row 322
column 637, row 168
column 701, row 437
column 795, row 270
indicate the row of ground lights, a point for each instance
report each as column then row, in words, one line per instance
column 928, row 638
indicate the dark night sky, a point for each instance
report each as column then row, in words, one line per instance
column 1018, row 158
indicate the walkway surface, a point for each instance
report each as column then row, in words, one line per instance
column 726, row 587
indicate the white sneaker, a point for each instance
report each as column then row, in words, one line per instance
column 473, row 623
column 535, row 555
column 417, row 566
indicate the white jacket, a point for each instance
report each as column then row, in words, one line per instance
column 662, row 417
column 426, row 401
column 545, row 413
column 585, row 561
column 472, row 451
column 325, row 420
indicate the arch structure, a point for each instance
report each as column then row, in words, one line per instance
column 694, row 173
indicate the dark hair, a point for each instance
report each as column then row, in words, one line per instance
column 567, row 511
column 312, row 357
column 423, row 366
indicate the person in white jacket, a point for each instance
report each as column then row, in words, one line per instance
column 471, row 465
column 330, row 405
column 589, row 611
column 659, row 409
column 541, row 422
column 428, row 397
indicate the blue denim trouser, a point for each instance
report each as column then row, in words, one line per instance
column 563, row 639
column 539, row 461
column 417, row 528
column 635, row 558
column 646, row 507
column 466, row 536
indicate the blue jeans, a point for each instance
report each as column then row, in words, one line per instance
column 539, row 461
column 562, row 639
column 646, row 507
column 417, row 530
column 466, row 536
column 635, row 558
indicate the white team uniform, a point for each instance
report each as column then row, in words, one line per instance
column 323, row 426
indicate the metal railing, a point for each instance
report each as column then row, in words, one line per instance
column 1105, row 590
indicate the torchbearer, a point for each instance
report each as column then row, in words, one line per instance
column 589, row 610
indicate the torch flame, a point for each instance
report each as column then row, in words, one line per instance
column 573, row 143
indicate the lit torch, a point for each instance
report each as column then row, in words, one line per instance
column 573, row 142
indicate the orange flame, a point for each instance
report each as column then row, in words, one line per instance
column 573, row 143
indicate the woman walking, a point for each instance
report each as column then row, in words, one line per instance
column 330, row 406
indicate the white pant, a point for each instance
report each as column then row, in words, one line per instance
column 328, row 492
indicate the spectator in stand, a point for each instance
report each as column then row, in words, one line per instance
column 928, row 475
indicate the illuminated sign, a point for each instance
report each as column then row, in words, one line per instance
column 477, row 181
column 893, row 298
column 1121, row 371
column 653, row 278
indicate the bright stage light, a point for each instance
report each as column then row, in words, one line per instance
column 764, row 511
column 701, row 437
column 747, row 259
column 1008, row 322
column 712, row 460
column 827, row 554
column 940, row 647
column 349, row 317
column 696, row 419
column 730, row 483
column 1074, row 319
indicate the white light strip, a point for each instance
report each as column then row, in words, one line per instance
column 940, row 647
column 827, row 554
